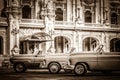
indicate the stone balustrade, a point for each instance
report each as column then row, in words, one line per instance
column 58, row 24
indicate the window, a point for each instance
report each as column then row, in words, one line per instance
column 115, row 45
column 2, row 8
column 59, row 14
column 113, row 18
column 88, row 17
column 61, row 44
column 89, row 44
column 26, row 12
column 1, row 45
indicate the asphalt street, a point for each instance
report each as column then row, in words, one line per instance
column 45, row 75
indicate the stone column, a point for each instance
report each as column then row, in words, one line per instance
column 50, row 23
column 69, row 10
column 13, row 21
column 49, row 17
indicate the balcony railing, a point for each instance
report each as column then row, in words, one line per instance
column 35, row 23
column 31, row 23
column 58, row 24
column 89, row 25
column 61, row 24
column 115, row 25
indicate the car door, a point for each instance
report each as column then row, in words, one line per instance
column 39, row 60
column 108, row 61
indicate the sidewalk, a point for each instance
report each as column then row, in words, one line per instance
column 6, row 69
column 5, row 64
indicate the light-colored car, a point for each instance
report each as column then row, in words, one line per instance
column 94, row 61
column 53, row 62
column 38, row 60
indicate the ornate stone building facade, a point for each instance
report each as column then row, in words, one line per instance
column 82, row 24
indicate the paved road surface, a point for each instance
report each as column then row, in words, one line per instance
column 45, row 75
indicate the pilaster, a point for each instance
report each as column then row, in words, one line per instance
column 13, row 24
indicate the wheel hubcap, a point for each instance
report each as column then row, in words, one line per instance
column 54, row 68
column 19, row 67
column 79, row 69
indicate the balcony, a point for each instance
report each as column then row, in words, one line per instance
column 64, row 24
column 35, row 23
column 58, row 24
column 31, row 23
column 115, row 25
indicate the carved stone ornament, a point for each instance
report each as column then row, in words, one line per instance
column 2, row 33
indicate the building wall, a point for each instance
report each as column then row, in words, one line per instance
column 73, row 25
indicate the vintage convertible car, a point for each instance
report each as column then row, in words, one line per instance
column 53, row 62
column 94, row 61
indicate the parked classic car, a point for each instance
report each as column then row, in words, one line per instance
column 52, row 61
column 94, row 61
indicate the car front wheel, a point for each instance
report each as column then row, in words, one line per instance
column 54, row 68
column 80, row 69
column 19, row 67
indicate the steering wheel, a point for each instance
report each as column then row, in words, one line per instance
column 100, row 49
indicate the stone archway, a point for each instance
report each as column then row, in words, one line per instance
column 62, row 44
column 115, row 45
column 90, row 43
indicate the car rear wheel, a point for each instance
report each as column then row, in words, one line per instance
column 80, row 69
column 54, row 68
column 19, row 67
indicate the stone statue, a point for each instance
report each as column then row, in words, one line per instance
column 50, row 6
column 15, row 3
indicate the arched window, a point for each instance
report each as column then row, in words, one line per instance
column 115, row 45
column 26, row 12
column 89, row 44
column 88, row 17
column 113, row 18
column 1, row 45
column 61, row 44
column 59, row 14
